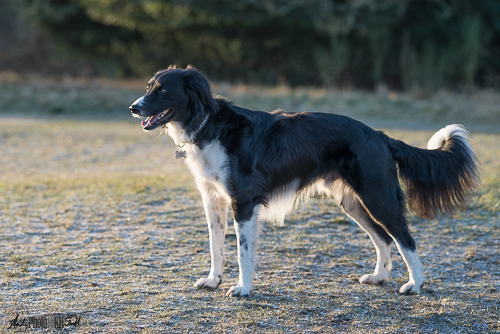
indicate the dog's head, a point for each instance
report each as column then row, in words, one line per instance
column 175, row 94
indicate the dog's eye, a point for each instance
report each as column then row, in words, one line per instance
column 163, row 90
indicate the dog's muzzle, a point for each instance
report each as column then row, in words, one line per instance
column 135, row 109
column 136, row 106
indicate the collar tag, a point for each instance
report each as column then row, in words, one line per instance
column 180, row 154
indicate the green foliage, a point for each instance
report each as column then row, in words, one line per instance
column 380, row 43
column 473, row 40
column 423, row 44
column 333, row 61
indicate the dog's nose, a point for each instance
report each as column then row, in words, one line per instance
column 136, row 106
column 135, row 109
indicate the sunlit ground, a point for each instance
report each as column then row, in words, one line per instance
column 98, row 218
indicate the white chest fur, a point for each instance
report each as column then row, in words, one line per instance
column 209, row 167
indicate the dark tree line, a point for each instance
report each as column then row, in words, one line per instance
column 403, row 43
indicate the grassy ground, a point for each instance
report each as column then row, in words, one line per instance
column 98, row 218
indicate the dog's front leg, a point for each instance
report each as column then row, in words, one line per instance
column 216, row 213
column 246, row 227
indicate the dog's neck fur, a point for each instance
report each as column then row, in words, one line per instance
column 178, row 134
column 182, row 135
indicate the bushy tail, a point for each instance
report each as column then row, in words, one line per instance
column 438, row 179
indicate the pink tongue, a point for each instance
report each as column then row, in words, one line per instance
column 150, row 120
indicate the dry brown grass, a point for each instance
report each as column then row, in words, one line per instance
column 98, row 218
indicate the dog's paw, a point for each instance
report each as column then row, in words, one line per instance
column 238, row 291
column 372, row 279
column 209, row 282
column 411, row 287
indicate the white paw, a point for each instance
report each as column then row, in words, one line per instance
column 372, row 279
column 411, row 287
column 238, row 290
column 209, row 282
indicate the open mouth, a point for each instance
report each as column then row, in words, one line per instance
column 155, row 121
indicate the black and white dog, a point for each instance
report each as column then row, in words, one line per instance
column 260, row 163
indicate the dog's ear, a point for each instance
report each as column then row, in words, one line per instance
column 199, row 91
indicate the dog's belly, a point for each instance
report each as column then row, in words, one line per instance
column 282, row 200
column 279, row 202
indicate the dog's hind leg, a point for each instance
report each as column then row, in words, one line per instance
column 385, row 208
column 216, row 214
column 247, row 231
column 382, row 241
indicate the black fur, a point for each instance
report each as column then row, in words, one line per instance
column 436, row 181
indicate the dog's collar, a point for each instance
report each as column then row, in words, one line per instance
column 202, row 125
column 182, row 153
